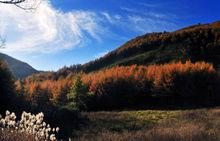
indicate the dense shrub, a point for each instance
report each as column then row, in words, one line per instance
column 62, row 117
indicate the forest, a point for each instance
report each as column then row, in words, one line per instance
column 111, row 89
column 128, row 85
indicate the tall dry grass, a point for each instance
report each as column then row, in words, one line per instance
column 12, row 135
column 190, row 125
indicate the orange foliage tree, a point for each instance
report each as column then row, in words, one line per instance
column 129, row 85
column 126, row 85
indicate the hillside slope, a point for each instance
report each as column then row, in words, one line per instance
column 195, row 43
column 18, row 68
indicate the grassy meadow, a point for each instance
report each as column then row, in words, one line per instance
column 150, row 125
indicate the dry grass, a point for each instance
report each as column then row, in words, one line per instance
column 10, row 135
column 149, row 125
column 188, row 132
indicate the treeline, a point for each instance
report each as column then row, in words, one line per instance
column 129, row 86
column 44, row 92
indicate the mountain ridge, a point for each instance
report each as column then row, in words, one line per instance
column 18, row 68
column 160, row 42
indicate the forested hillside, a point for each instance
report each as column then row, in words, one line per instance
column 195, row 43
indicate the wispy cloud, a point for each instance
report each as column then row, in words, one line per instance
column 141, row 22
column 159, row 15
column 146, row 12
column 128, row 9
column 111, row 18
column 149, row 5
column 149, row 24
column 101, row 54
column 108, row 17
column 47, row 29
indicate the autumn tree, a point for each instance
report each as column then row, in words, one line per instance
column 20, row 87
column 39, row 97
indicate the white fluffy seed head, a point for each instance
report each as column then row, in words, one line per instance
column 7, row 113
column 31, row 124
column 57, row 129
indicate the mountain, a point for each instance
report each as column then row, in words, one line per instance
column 196, row 43
column 18, row 68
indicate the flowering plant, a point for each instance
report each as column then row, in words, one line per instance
column 29, row 124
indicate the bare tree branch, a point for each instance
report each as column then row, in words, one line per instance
column 11, row 1
column 2, row 42
column 23, row 4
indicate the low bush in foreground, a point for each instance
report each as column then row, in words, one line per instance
column 29, row 125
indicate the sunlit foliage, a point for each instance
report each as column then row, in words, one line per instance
column 128, row 85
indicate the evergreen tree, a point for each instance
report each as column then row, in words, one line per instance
column 78, row 95
column 7, row 92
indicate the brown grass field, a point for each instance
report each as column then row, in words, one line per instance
column 151, row 125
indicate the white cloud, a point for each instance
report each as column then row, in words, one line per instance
column 113, row 19
column 108, row 17
column 46, row 29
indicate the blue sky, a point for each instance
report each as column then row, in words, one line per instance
column 66, row 32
